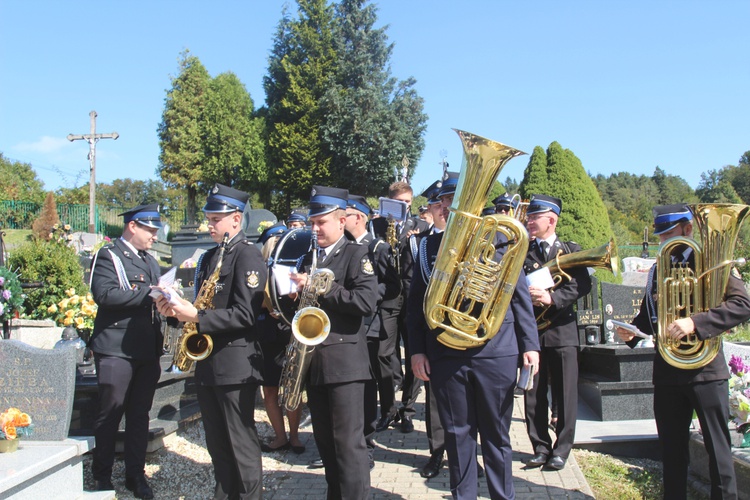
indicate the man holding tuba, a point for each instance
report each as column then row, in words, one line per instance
column 340, row 365
column 559, row 339
column 473, row 387
column 227, row 380
column 679, row 391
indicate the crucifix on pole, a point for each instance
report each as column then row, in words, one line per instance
column 92, row 139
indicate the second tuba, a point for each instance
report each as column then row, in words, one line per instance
column 469, row 292
column 683, row 291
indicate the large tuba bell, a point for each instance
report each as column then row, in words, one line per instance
column 603, row 257
column 469, row 293
column 683, row 292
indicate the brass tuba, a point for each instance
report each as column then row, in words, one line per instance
column 310, row 327
column 603, row 257
column 469, row 293
column 193, row 346
column 683, row 292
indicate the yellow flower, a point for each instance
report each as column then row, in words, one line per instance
column 79, row 322
column 67, row 227
column 67, row 321
column 70, row 292
column 74, row 300
column 63, row 304
column 52, row 309
column 70, row 313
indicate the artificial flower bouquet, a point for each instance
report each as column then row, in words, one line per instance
column 76, row 311
column 739, row 397
column 14, row 424
column 11, row 296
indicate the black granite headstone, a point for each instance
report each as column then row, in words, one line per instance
column 620, row 303
column 40, row 382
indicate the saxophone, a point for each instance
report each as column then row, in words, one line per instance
column 310, row 327
column 194, row 346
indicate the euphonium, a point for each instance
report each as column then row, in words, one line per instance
column 469, row 293
column 310, row 327
column 603, row 257
column 683, row 292
column 194, row 346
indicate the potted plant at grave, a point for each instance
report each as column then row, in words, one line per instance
column 14, row 424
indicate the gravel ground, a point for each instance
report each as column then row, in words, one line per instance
column 182, row 468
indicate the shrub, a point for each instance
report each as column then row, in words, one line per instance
column 48, row 219
column 54, row 264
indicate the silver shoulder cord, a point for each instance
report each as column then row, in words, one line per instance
column 122, row 276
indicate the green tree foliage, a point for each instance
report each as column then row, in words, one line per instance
column 300, row 68
column 18, row 182
column 370, row 119
column 715, row 187
column 559, row 173
column 181, row 131
column 672, row 189
column 233, row 142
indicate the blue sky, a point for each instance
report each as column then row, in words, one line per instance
column 625, row 85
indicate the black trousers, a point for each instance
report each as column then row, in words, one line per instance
column 558, row 366
column 435, row 432
column 228, row 414
column 126, row 387
column 337, row 418
column 475, row 395
column 411, row 385
column 673, row 410
column 383, row 367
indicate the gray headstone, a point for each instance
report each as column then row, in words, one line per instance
column 620, row 303
column 251, row 219
column 40, row 382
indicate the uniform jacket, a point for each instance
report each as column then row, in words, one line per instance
column 236, row 357
column 734, row 310
column 517, row 334
column 389, row 284
column 563, row 331
column 343, row 357
column 126, row 324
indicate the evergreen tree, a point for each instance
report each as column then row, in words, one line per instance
column 715, row 187
column 233, row 146
column 48, row 219
column 301, row 67
column 180, row 132
column 559, row 173
column 371, row 120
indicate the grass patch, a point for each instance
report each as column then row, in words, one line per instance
column 739, row 334
column 618, row 478
column 15, row 237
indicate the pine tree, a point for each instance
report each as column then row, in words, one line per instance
column 370, row 120
column 180, row 131
column 301, row 66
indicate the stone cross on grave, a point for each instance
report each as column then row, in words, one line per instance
column 92, row 139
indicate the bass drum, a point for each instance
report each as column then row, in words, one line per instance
column 288, row 253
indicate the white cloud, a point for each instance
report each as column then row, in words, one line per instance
column 45, row 145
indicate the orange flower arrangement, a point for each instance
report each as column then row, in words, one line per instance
column 14, row 424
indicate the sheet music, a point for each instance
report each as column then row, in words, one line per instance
column 284, row 283
column 166, row 286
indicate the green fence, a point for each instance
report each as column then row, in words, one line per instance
column 22, row 214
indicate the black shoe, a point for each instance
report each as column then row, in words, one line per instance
column 556, row 463
column 267, row 448
column 386, row 422
column 104, row 485
column 372, row 463
column 537, row 460
column 407, row 425
column 317, row 463
column 139, row 487
column 433, row 465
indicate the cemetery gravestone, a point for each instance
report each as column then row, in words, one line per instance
column 40, row 382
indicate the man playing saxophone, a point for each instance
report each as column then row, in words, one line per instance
column 228, row 379
column 340, row 365
column 679, row 391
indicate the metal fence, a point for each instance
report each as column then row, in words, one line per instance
column 22, row 214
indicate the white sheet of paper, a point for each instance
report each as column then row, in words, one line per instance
column 284, row 284
column 540, row 278
column 165, row 286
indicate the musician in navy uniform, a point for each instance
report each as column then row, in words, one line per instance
column 358, row 212
column 296, row 220
column 394, row 313
column 504, row 204
column 227, row 380
column 127, row 344
column 340, row 365
column 473, row 387
column 678, row 392
column 559, row 340
column 410, row 264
